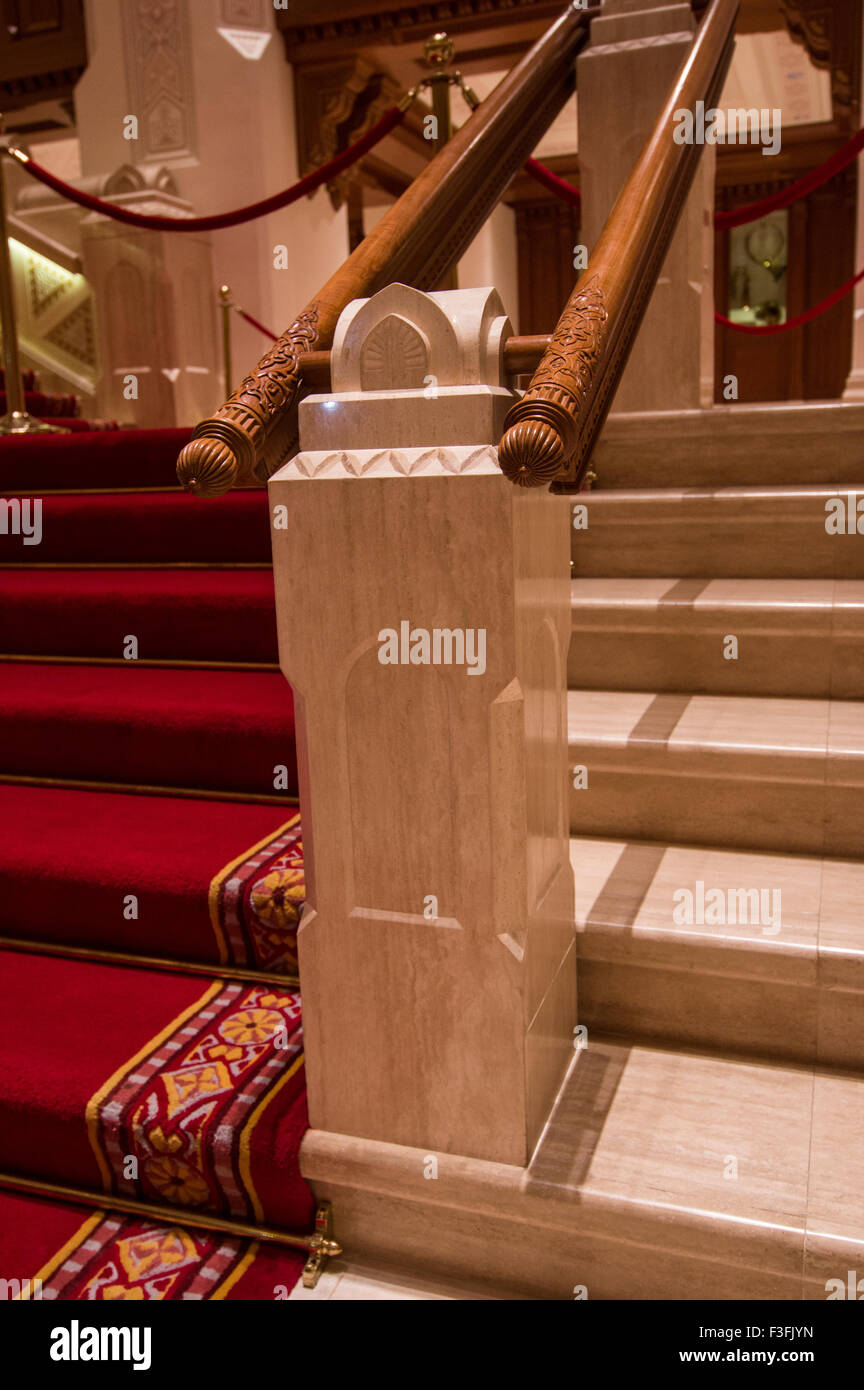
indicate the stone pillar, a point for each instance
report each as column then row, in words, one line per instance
column 150, row 311
column 198, row 84
column 423, row 608
column 624, row 77
column 156, row 310
column 854, row 390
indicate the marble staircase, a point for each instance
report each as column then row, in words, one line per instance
column 718, row 849
column 708, row 1140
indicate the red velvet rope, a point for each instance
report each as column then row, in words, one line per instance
column 738, row 216
column 306, row 185
column 799, row 319
column 799, row 189
column 550, row 180
column 255, row 324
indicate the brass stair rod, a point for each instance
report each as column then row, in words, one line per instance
column 176, row 1216
column 63, row 951
column 16, row 420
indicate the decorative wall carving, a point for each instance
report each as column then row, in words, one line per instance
column 46, row 283
column 76, row 335
column 56, row 317
column 159, row 76
column 245, row 14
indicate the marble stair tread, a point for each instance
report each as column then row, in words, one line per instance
column 663, row 1172
column 741, row 1149
column 751, row 772
column 741, row 443
column 734, row 533
column 798, row 637
column 713, row 947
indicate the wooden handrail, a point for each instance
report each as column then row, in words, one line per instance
column 521, row 355
column 422, row 236
column 551, row 431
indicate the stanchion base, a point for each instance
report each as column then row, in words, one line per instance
column 19, row 422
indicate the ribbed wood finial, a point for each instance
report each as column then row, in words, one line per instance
column 207, row 467
column 532, row 453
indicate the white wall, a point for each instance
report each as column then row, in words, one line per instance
column 240, row 113
column 491, row 259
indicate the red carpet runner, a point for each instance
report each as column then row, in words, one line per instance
column 171, row 1088
column 78, row 1254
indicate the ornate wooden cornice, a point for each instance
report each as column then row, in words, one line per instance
column 363, row 22
column 335, row 104
column 43, row 53
column 830, row 30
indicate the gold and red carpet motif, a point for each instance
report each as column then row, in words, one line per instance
column 256, row 901
column 103, row 1257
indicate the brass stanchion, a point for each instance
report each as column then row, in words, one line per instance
column 16, row 420
column 439, row 52
column 226, row 306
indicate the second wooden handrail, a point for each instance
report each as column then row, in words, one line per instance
column 551, row 431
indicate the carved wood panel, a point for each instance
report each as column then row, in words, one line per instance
column 546, row 232
column 159, row 74
column 351, row 23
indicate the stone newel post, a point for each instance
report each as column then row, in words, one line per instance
column 424, row 620
column 624, row 77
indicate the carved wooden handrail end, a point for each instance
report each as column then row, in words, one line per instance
column 533, row 452
column 207, row 467
column 543, row 431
